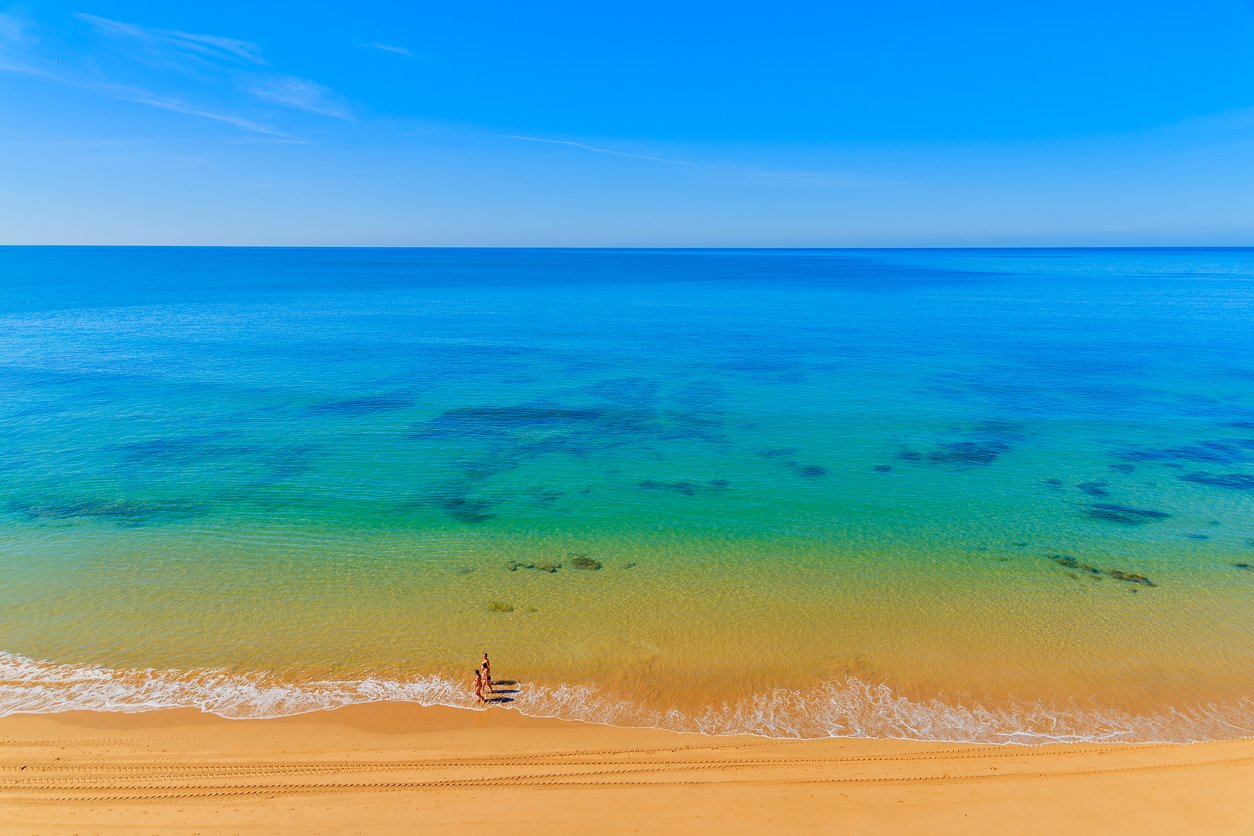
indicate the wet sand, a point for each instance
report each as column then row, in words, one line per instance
column 394, row 767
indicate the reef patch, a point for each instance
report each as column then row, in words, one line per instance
column 1123, row 514
column 122, row 512
column 1231, row 481
column 712, row 486
column 1068, row 562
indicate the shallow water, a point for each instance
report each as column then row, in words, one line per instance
column 936, row 494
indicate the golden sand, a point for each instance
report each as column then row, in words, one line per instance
column 398, row 768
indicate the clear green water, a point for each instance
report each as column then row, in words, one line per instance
column 1003, row 495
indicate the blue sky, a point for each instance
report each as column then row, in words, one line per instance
column 628, row 124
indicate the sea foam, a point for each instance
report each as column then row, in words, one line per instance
column 846, row 707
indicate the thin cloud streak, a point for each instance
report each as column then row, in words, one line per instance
column 137, row 95
column 398, row 50
column 13, row 30
column 299, row 94
column 212, row 46
column 594, row 149
column 233, row 62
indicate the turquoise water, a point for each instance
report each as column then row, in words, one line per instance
column 1008, row 481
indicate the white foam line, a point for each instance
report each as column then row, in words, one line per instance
column 848, row 707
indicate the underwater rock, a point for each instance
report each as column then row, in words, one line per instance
column 1232, row 481
column 777, row 452
column 910, row 456
column 1130, row 577
column 968, row 452
column 810, row 471
column 582, row 561
column 685, row 488
column 883, row 468
column 1244, row 566
column 1123, row 514
column 467, row 510
column 1053, row 483
column 542, row 566
column 479, row 470
column 1198, row 536
column 1228, row 451
column 1093, row 488
column 455, row 500
column 1122, row 467
column 1069, row 562
column 629, row 566
column 125, row 512
column 500, row 606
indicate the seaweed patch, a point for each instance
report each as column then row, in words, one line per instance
column 1228, row 451
column 1232, row 481
column 1123, row 514
column 457, row 501
column 686, row 488
column 809, row 471
column 967, row 452
column 124, row 512
column 978, row 445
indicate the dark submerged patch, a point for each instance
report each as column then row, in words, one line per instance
column 684, row 487
column 1068, row 562
column 1123, row 514
column 123, row 512
column 1231, row 481
column 365, row 405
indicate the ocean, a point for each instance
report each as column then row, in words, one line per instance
column 985, row 495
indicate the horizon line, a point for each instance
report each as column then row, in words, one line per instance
column 641, row 248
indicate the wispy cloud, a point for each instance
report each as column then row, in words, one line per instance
column 13, row 31
column 209, row 46
column 300, row 94
column 583, row 146
column 138, row 95
column 19, row 56
column 193, row 69
column 399, row 50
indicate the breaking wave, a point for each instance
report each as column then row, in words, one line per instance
column 846, row 707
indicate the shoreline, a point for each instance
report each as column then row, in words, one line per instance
column 390, row 766
column 843, row 709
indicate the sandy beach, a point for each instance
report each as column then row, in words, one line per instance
column 392, row 767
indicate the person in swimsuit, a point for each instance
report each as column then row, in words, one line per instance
column 485, row 674
column 479, row 685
